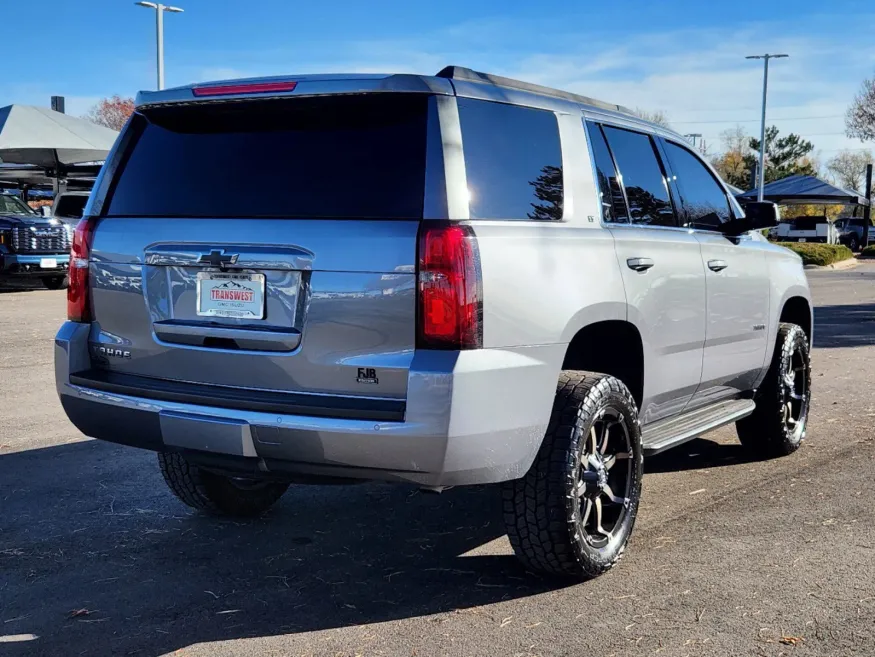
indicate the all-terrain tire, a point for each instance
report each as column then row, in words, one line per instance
column 215, row 493
column 56, row 282
column 542, row 511
column 767, row 432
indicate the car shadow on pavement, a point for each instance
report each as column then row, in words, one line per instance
column 846, row 326
column 698, row 454
column 94, row 552
column 21, row 285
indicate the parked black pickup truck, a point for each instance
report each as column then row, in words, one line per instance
column 32, row 245
column 851, row 232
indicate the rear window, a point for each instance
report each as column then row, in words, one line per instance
column 71, row 206
column 513, row 161
column 336, row 157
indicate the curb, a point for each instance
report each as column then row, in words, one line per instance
column 850, row 263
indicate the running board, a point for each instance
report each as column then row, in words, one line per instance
column 673, row 431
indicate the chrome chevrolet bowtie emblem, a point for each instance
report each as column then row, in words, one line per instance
column 218, row 258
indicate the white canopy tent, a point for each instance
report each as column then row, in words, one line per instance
column 52, row 140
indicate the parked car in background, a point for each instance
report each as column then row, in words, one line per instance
column 68, row 206
column 32, row 245
column 807, row 229
column 850, row 232
column 468, row 280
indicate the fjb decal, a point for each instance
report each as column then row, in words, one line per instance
column 367, row 375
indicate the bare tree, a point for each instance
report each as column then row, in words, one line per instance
column 112, row 112
column 735, row 140
column 849, row 168
column 860, row 118
column 658, row 117
column 731, row 164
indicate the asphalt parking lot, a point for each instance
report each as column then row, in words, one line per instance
column 729, row 556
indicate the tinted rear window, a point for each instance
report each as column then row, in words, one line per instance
column 610, row 192
column 513, row 161
column 643, row 178
column 337, row 157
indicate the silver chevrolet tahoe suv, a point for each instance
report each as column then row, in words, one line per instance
column 440, row 280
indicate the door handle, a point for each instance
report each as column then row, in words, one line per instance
column 640, row 264
column 717, row 265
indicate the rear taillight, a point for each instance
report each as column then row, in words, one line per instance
column 450, row 288
column 78, row 297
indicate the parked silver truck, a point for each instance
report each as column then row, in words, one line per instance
column 464, row 279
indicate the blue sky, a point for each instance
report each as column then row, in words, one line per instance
column 685, row 57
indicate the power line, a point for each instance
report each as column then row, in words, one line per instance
column 836, row 150
column 698, row 110
column 803, row 136
column 785, row 118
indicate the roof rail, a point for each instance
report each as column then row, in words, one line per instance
column 469, row 75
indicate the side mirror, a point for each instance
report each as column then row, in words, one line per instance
column 762, row 215
column 757, row 216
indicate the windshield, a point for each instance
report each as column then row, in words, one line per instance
column 13, row 205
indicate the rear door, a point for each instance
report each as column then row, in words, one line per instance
column 737, row 281
column 267, row 245
column 661, row 265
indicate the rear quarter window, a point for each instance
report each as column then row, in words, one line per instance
column 513, row 160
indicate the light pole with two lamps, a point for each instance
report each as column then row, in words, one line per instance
column 159, row 12
column 762, row 172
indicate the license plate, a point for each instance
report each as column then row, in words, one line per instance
column 230, row 295
column 48, row 263
column 802, row 239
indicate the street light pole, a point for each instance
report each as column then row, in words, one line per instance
column 762, row 171
column 159, row 33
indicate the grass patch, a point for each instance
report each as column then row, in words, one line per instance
column 820, row 254
column 868, row 252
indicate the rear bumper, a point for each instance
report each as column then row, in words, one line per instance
column 470, row 418
column 16, row 264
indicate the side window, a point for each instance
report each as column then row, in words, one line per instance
column 642, row 177
column 703, row 201
column 610, row 192
column 513, row 161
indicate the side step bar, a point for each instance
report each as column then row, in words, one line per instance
column 673, row 431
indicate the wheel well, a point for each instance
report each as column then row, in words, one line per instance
column 797, row 311
column 610, row 347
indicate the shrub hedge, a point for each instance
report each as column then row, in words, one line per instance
column 819, row 254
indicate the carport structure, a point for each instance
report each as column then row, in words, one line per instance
column 44, row 144
column 810, row 190
column 28, row 178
